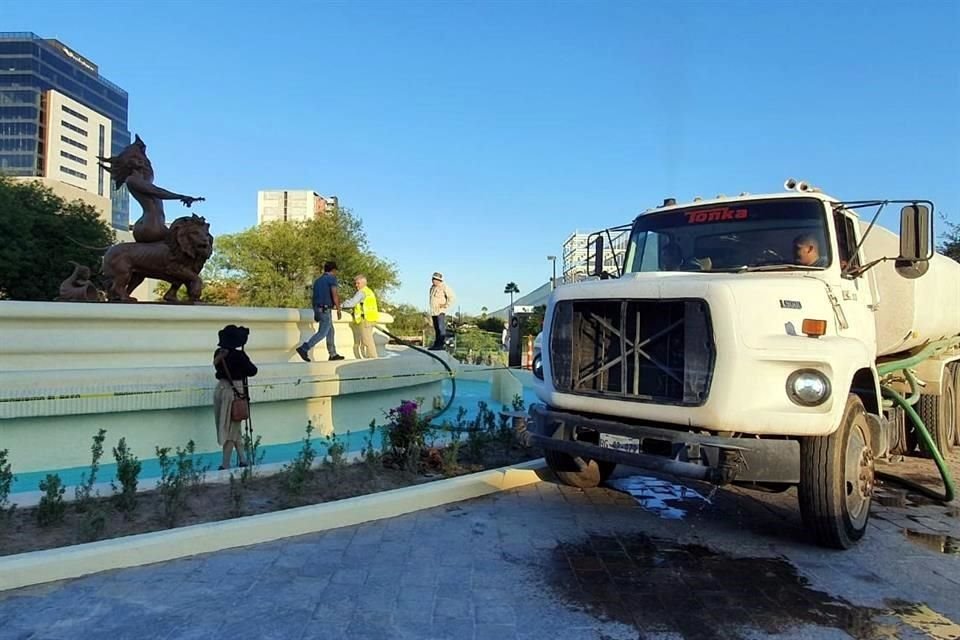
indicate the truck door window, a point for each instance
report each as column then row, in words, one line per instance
column 846, row 240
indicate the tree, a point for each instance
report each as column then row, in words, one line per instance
column 407, row 320
column 274, row 265
column 483, row 312
column 41, row 234
column 491, row 324
column 511, row 288
column 950, row 241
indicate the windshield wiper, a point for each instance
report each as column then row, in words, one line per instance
column 777, row 267
column 770, row 267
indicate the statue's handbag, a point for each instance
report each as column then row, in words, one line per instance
column 240, row 405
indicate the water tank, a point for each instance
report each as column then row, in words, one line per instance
column 912, row 312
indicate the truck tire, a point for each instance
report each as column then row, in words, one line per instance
column 939, row 414
column 836, row 480
column 568, row 472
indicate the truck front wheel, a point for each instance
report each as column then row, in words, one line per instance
column 836, row 480
column 570, row 473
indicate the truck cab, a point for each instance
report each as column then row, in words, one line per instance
column 738, row 344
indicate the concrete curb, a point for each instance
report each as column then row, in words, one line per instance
column 37, row 567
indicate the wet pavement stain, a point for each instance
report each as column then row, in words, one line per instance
column 891, row 498
column 657, row 496
column 924, row 619
column 659, row 586
column 937, row 542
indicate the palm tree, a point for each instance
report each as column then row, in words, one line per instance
column 483, row 313
column 511, row 288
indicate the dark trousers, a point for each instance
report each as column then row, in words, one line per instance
column 440, row 329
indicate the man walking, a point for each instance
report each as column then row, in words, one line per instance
column 441, row 299
column 365, row 315
column 326, row 299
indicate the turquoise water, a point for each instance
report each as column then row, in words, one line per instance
column 469, row 394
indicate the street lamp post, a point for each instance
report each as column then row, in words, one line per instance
column 553, row 281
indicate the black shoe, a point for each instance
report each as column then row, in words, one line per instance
column 302, row 352
column 336, row 357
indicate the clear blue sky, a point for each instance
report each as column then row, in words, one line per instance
column 472, row 138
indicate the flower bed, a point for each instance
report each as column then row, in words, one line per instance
column 406, row 451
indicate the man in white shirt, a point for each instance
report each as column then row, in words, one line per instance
column 441, row 299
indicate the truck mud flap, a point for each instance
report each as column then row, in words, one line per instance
column 715, row 459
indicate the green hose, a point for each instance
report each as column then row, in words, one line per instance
column 925, row 353
column 949, row 487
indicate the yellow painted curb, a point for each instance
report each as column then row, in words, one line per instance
column 37, row 567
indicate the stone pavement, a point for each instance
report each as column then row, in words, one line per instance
column 544, row 561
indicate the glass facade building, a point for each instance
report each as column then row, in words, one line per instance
column 31, row 65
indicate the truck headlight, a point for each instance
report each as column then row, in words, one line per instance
column 538, row 366
column 808, row 387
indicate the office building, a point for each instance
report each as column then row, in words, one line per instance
column 57, row 114
column 577, row 252
column 292, row 205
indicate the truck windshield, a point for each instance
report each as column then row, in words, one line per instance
column 760, row 235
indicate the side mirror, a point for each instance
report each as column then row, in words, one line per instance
column 915, row 234
column 597, row 256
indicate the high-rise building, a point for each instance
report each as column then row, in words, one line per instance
column 292, row 205
column 577, row 252
column 57, row 114
column 575, row 257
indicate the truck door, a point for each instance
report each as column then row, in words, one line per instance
column 856, row 294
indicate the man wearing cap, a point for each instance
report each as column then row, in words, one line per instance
column 326, row 300
column 441, row 299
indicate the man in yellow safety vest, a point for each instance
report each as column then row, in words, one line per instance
column 365, row 316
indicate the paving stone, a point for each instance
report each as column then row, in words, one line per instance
column 495, row 632
column 489, row 568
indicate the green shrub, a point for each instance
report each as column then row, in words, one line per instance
column 128, row 473
column 299, row 470
column 6, row 486
column 84, row 492
column 52, row 508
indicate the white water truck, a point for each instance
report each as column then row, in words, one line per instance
column 765, row 341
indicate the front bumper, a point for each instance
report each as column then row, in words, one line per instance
column 714, row 459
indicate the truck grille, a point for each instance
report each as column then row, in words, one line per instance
column 659, row 351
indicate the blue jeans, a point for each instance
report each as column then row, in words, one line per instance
column 440, row 329
column 324, row 331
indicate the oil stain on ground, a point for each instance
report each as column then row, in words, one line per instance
column 659, row 586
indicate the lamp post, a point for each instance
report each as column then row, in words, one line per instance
column 553, row 281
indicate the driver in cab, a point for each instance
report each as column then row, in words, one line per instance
column 806, row 251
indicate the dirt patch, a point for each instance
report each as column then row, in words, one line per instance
column 214, row 502
column 660, row 586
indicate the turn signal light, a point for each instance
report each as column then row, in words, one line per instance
column 814, row 328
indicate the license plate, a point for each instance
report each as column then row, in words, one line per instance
column 620, row 443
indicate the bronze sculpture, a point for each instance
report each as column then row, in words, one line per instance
column 178, row 259
column 176, row 255
column 78, row 287
column 133, row 168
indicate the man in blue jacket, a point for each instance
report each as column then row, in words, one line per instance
column 326, row 299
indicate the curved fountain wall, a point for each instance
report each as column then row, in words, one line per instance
column 144, row 372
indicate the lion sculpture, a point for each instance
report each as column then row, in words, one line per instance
column 178, row 259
